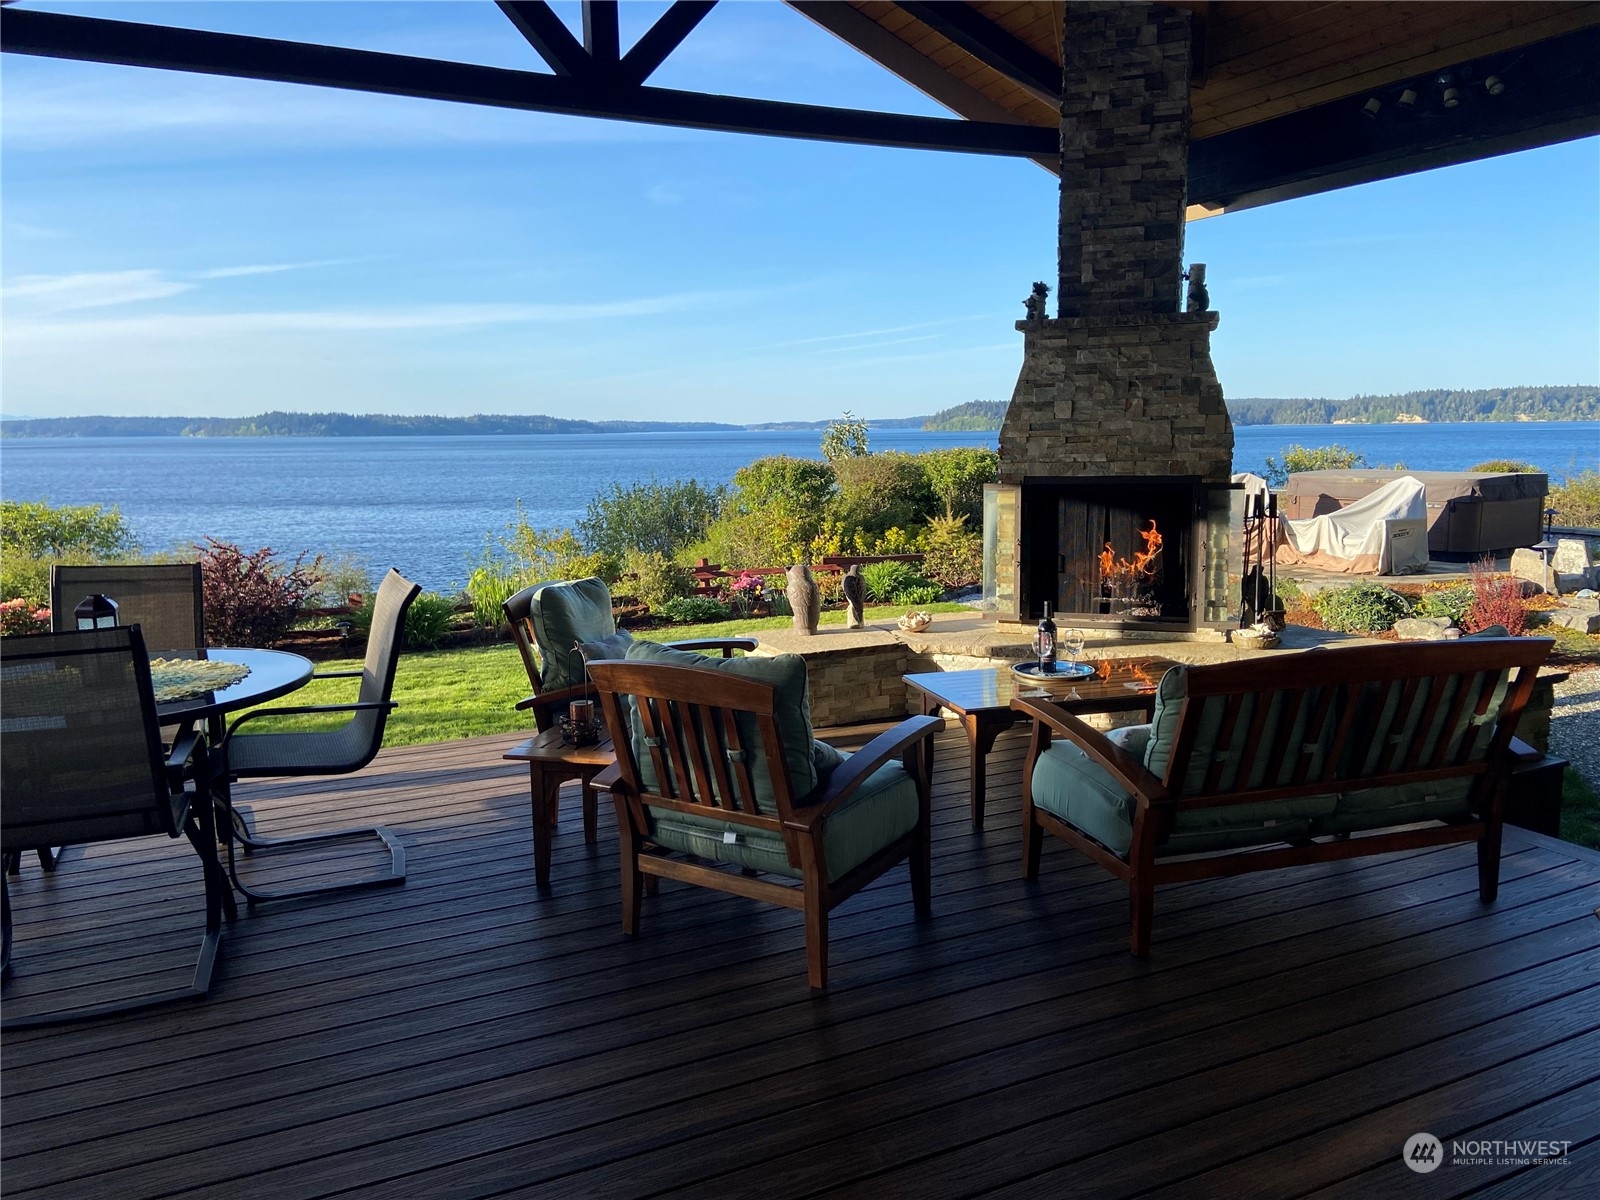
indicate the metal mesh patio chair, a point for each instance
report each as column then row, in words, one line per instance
column 332, row 752
column 163, row 599
column 82, row 761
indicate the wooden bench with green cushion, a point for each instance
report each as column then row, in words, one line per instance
column 718, row 782
column 1289, row 759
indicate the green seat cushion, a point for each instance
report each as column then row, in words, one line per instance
column 615, row 646
column 882, row 810
column 1400, row 804
column 792, row 715
column 1070, row 785
column 564, row 616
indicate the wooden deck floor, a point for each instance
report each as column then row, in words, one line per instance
column 464, row 1036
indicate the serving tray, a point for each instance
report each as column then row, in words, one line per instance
column 1030, row 670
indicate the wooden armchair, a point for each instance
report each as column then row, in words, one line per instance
column 718, row 783
column 557, row 625
column 1297, row 758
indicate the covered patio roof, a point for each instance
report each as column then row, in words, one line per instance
column 1282, row 92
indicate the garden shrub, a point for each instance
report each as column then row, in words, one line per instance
column 1577, row 500
column 921, row 593
column 490, row 586
column 952, row 554
column 252, row 599
column 24, row 577
column 693, row 610
column 744, row 592
column 38, row 529
column 656, row 578
column 21, row 616
column 1506, row 466
column 1361, row 608
column 1451, row 600
column 886, row 579
column 956, row 478
column 880, row 491
column 1497, row 600
column 845, row 438
column 341, row 578
column 427, row 621
column 1297, row 458
column 654, row 516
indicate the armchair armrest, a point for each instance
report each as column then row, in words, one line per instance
column 608, row 779
column 302, row 710
column 726, row 645
column 1145, row 786
column 336, row 674
column 847, row 780
column 183, row 749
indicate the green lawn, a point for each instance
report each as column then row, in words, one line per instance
column 449, row 694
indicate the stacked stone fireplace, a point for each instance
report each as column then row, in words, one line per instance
column 1116, row 451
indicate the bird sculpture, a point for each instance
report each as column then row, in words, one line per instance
column 805, row 599
column 855, row 595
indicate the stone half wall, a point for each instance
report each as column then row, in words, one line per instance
column 1117, row 396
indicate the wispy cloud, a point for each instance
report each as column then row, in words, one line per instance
column 441, row 318
column 954, row 351
column 871, row 346
column 859, row 334
column 92, row 289
column 273, row 268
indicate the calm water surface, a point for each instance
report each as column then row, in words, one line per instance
column 426, row 505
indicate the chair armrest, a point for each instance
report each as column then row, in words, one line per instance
column 183, row 749
column 726, row 645
column 302, row 710
column 336, row 674
column 1127, row 768
column 847, row 780
column 608, row 779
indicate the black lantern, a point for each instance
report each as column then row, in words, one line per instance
column 96, row 612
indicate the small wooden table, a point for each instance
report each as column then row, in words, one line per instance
column 981, row 699
column 551, row 762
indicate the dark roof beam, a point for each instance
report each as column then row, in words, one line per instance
column 662, row 38
column 93, row 39
column 537, row 21
column 1552, row 96
column 990, row 45
column 602, row 36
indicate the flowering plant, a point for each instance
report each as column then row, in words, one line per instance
column 746, row 590
column 18, row 616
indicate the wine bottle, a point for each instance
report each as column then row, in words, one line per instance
column 1044, row 642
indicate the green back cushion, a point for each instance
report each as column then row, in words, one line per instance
column 1281, row 738
column 786, row 673
column 565, row 615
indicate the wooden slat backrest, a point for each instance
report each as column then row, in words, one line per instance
column 701, row 757
column 1398, row 714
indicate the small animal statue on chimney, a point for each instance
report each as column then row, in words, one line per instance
column 805, row 599
column 1034, row 305
column 1199, row 298
column 855, row 595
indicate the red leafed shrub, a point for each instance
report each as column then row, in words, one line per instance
column 252, row 599
column 1496, row 600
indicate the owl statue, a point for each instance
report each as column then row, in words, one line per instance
column 855, row 595
column 805, row 599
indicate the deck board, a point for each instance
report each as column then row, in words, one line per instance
column 467, row 1036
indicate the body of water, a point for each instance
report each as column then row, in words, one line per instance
column 427, row 505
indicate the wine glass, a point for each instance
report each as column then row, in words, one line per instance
column 1072, row 643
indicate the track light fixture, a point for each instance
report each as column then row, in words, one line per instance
column 1494, row 85
column 1371, row 108
column 1408, row 99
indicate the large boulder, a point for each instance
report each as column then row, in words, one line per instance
column 1424, row 629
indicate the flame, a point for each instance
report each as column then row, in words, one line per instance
column 1141, row 677
column 1103, row 668
column 1143, row 562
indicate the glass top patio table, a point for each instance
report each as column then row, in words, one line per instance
column 273, row 673
column 981, row 700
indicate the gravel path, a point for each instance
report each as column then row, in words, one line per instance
column 1575, row 723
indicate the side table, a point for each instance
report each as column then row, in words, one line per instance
column 552, row 762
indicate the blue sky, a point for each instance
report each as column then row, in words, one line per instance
column 180, row 244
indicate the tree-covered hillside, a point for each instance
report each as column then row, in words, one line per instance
column 974, row 414
column 1484, row 404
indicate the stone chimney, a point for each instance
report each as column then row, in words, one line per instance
column 1121, row 382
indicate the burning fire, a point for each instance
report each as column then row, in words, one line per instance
column 1141, row 677
column 1144, row 562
